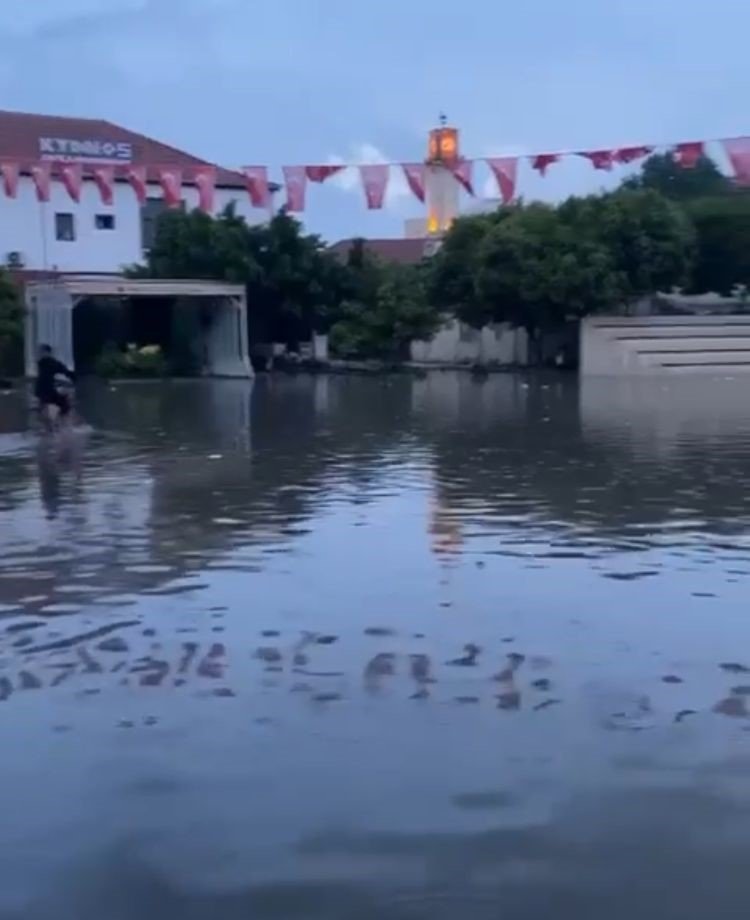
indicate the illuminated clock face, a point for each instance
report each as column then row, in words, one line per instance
column 448, row 145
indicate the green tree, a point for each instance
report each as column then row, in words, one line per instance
column 536, row 270
column 537, row 266
column 722, row 226
column 300, row 282
column 293, row 283
column 387, row 308
column 661, row 174
column 452, row 276
column 648, row 238
column 195, row 245
column 720, row 212
column 11, row 327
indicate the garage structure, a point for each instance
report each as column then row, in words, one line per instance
column 214, row 313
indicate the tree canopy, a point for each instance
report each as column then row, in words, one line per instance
column 295, row 285
column 722, row 225
column 537, row 265
column 293, row 282
column 648, row 238
column 386, row 306
column 662, row 174
column 720, row 213
column 536, row 270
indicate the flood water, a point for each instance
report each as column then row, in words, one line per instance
column 377, row 648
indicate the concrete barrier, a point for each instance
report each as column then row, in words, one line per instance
column 643, row 345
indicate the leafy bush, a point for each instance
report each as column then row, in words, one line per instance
column 11, row 327
column 147, row 361
column 386, row 310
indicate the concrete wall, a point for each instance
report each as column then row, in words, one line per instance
column 458, row 343
column 647, row 345
column 27, row 226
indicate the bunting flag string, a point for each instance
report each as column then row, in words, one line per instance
column 415, row 179
column 374, row 177
column 104, row 177
column 627, row 155
column 738, row 152
column 170, row 180
column 505, row 171
column 295, row 180
column 375, row 182
column 71, row 175
column 136, row 176
column 205, row 181
column 256, row 179
column 321, row 173
column 687, row 155
column 10, row 172
column 462, row 172
column 600, row 159
column 40, row 176
column 542, row 161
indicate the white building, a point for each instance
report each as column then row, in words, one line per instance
column 89, row 236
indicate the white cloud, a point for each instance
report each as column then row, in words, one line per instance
column 348, row 180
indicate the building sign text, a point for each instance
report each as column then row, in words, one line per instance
column 61, row 148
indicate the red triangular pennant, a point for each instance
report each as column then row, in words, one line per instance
column 738, row 151
column 170, row 180
column 256, row 178
column 137, row 177
column 104, row 176
column 599, row 159
column 462, row 172
column 542, row 161
column 415, row 178
column 505, row 171
column 71, row 176
column 631, row 154
column 295, row 179
column 40, row 175
column 375, row 182
column 688, row 154
column 321, row 173
column 205, row 181
column 9, row 170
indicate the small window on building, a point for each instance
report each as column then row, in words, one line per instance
column 151, row 210
column 65, row 227
column 104, row 221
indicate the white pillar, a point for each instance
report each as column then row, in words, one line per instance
column 49, row 321
column 320, row 347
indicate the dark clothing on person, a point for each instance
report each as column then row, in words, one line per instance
column 56, row 399
column 46, row 391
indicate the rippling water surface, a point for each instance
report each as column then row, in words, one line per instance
column 369, row 648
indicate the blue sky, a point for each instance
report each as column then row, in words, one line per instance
column 299, row 81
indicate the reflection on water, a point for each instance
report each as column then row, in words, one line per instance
column 383, row 647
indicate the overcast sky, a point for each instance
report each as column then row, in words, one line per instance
column 303, row 81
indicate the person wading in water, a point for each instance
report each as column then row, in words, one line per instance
column 46, row 391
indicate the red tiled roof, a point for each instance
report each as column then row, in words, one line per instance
column 20, row 133
column 405, row 251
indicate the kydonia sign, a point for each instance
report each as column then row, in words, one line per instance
column 61, row 148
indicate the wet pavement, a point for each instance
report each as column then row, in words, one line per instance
column 377, row 647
